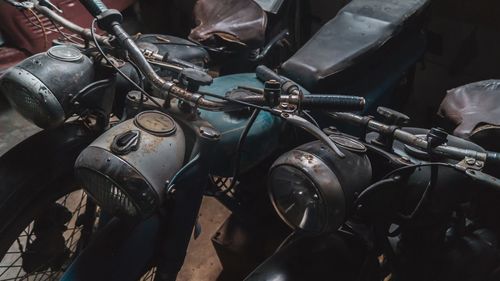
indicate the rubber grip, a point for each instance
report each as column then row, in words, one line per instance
column 265, row 74
column 493, row 158
column 95, row 7
column 333, row 102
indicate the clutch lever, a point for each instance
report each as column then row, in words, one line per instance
column 484, row 178
column 313, row 130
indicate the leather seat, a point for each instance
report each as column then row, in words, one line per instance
column 475, row 112
column 359, row 29
column 229, row 23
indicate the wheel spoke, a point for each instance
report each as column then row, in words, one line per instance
column 71, row 235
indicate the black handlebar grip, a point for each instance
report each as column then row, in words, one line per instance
column 95, row 7
column 265, row 74
column 493, row 158
column 333, row 102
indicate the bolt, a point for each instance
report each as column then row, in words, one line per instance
column 209, row 133
column 479, row 164
column 470, row 161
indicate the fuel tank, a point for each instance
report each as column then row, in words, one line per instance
column 262, row 139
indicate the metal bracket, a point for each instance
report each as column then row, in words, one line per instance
column 469, row 163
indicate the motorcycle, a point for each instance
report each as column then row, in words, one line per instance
column 27, row 33
column 405, row 204
column 195, row 137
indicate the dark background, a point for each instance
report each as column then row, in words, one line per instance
column 464, row 45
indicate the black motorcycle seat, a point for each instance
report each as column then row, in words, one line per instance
column 360, row 28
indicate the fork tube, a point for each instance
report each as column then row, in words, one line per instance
column 183, row 211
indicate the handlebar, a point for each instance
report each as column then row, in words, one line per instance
column 109, row 20
column 330, row 102
column 95, row 7
column 413, row 140
column 333, row 102
column 265, row 74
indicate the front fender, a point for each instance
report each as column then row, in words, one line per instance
column 119, row 251
column 36, row 165
column 328, row 257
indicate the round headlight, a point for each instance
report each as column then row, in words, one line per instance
column 126, row 169
column 40, row 87
column 297, row 199
column 312, row 189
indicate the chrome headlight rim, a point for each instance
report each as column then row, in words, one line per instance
column 327, row 186
column 53, row 114
column 126, row 178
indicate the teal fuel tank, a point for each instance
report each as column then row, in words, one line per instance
column 262, row 139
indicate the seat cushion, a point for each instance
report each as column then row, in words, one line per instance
column 360, row 28
column 475, row 112
column 229, row 23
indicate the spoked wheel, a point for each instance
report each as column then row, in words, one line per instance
column 50, row 236
column 150, row 275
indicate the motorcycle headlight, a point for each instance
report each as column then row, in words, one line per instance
column 40, row 87
column 297, row 198
column 312, row 189
column 126, row 169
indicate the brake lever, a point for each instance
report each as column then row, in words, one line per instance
column 484, row 178
column 313, row 130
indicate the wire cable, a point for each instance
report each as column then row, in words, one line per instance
column 44, row 31
column 239, row 146
column 251, row 105
column 92, row 32
column 389, row 179
column 309, row 116
column 67, row 36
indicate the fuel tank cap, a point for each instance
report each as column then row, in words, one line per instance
column 155, row 122
column 65, row 53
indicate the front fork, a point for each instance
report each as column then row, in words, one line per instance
column 185, row 193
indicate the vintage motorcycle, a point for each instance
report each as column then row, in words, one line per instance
column 71, row 93
column 405, row 204
column 195, row 139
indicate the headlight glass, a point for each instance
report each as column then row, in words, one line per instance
column 108, row 194
column 297, row 199
column 33, row 100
